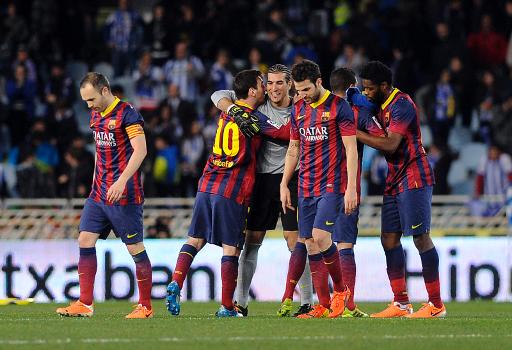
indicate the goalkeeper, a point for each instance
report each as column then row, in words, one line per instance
column 265, row 206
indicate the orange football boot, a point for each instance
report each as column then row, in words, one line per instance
column 394, row 309
column 140, row 312
column 319, row 311
column 338, row 302
column 428, row 310
column 76, row 309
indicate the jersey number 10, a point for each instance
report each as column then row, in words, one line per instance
column 230, row 135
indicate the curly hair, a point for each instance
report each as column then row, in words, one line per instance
column 377, row 72
column 306, row 70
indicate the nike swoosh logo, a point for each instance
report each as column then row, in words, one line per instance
column 301, row 117
column 328, row 223
column 92, row 125
column 435, row 313
column 131, row 236
column 416, row 226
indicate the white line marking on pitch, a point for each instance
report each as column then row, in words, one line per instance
column 236, row 339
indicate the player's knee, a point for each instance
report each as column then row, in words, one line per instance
column 86, row 240
column 291, row 239
column 423, row 242
column 390, row 240
column 254, row 237
column 136, row 248
column 197, row 243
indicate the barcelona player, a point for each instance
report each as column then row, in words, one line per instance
column 224, row 191
column 407, row 197
column 116, row 199
column 265, row 207
column 321, row 122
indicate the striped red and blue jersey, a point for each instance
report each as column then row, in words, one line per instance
column 364, row 121
column 319, row 127
column 231, row 167
column 112, row 131
column 408, row 167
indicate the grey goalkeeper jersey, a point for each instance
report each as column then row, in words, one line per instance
column 272, row 154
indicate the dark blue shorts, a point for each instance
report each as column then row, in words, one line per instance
column 124, row 220
column 345, row 229
column 408, row 212
column 318, row 212
column 218, row 220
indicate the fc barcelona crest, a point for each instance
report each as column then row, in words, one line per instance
column 326, row 116
column 111, row 125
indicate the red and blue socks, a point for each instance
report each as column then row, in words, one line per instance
column 395, row 260
column 296, row 267
column 87, row 266
column 331, row 259
column 348, row 268
column 229, row 274
column 320, row 277
column 430, row 264
column 144, row 275
column 185, row 258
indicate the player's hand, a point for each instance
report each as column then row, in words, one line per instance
column 350, row 200
column 247, row 123
column 286, row 199
column 356, row 98
column 115, row 192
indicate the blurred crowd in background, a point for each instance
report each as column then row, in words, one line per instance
column 166, row 58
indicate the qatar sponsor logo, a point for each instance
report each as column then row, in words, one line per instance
column 104, row 139
column 314, row 133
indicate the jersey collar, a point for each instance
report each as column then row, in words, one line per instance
column 321, row 100
column 390, row 98
column 243, row 104
column 111, row 107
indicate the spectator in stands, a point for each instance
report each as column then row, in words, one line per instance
column 488, row 98
column 494, row 177
column 441, row 158
column 221, row 73
column 124, row 35
column 184, row 111
column 44, row 40
column 161, row 229
column 184, row 71
column 159, row 35
column 440, row 108
column 166, row 170
column 255, row 61
column 210, row 125
column 502, row 124
column 169, row 125
column 351, row 57
column 75, row 173
column 445, row 47
column 148, row 86
column 462, row 82
column 14, row 32
column 62, row 126
column 21, row 95
column 59, row 89
column 193, row 158
column 487, row 47
column 23, row 58
column 404, row 68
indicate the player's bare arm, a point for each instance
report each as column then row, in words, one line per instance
column 290, row 164
column 115, row 192
column 350, row 143
column 387, row 144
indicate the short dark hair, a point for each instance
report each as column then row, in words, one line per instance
column 281, row 68
column 306, row 70
column 341, row 79
column 377, row 72
column 97, row 80
column 244, row 80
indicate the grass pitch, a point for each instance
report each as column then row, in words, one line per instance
column 475, row 325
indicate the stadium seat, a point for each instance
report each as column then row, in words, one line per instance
column 459, row 137
column 104, row 68
column 458, row 177
column 426, row 135
column 472, row 153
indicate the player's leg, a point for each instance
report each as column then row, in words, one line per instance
column 391, row 227
column 93, row 225
column 228, row 233
column 229, row 274
column 247, row 267
column 291, row 235
column 345, row 234
column 417, row 219
column 127, row 223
